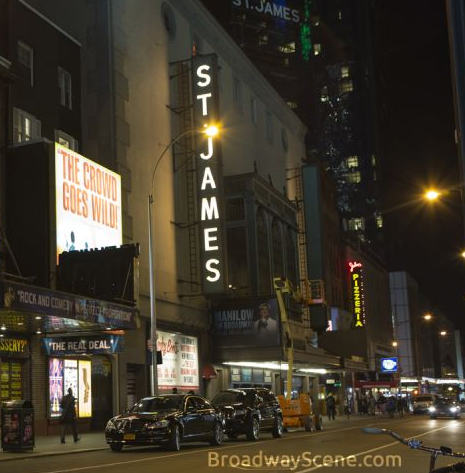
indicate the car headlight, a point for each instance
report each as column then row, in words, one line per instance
column 159, row 424
column 431, row 408
column 110, row 425
column 453, row 408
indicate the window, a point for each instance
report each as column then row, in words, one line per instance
column 379, row 221
column 354, row 177
column 288, row 48
column 344, row 71
column 356, row 224
column 263, row 39
column 253, row 111
column 263, row 254
column 346, row 86
column 339, row 14
column 317, row 49
column 316, row 20
column 64, row 83
column 373, row 160
column 352, row 162
column 25, row 126
column 26, row 58
column 237, row 94
column 66, row 140
column 292, row 104
column 269, row 127
column 324, row 94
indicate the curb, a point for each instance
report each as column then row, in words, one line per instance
column 29, row 455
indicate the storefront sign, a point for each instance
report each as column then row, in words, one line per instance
column 358, row 300
column 88, row 203
column 389, row 365
column 14, row 348
column 250, row 323
column 209, row 175
column 88, row 345
column 274, row 8
column 27, row 298
column 180, row 366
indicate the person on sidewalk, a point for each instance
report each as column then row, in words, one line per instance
column 331, row 406
column 68, row 415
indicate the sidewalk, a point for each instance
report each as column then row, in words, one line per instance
column 46, row 446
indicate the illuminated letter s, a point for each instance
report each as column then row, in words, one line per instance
column 215, row 276
column 206, row 77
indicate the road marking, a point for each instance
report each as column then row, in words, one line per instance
column 376, row 449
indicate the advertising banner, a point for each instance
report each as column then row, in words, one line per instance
column 84, row 393
column 247, row 324
column 88, row 203
column 389, row 365
column 358, row 297
column 14, row 347
column 24, row 297
column 55, row 386
column 180, row 366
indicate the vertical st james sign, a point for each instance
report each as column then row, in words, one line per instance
column 209, row 175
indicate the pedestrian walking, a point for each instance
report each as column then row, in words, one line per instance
column 331, row 406
column 68, row 415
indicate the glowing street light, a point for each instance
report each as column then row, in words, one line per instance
column 427, row 317
column 432, row 195
column 210, row 131
column 443, row 333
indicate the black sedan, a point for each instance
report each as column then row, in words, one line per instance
column 249, row 411
column 444, row 407
column 166, row 420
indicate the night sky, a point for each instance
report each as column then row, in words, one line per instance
column 417, row 140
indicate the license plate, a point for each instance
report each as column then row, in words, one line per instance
column 129, row 437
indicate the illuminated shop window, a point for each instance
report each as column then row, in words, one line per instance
column 352, row 162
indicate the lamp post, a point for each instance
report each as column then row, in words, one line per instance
column 210, row 132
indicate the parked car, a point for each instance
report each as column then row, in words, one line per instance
column 166, row 420
column 444, row 407
column 250, row 411
column 423, row 402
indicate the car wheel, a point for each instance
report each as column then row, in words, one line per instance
column 232, row 435
column 217, row 438
column 116, row 447
column 277, row 431
column 253, row 429
column 175, row 439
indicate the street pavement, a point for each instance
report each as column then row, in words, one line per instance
column 341, row 440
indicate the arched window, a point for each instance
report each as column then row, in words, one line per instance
column 263, row 254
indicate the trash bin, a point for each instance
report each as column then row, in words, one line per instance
column 17, row 426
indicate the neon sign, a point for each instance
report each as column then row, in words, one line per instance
column 209, row 175
column 356, row 279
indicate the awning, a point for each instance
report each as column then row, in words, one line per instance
column 209, row 372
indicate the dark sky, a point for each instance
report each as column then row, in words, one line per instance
column 419, row 148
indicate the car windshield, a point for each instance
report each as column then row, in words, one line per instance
column 158, row 404
column 423, row 399
column 231, row 397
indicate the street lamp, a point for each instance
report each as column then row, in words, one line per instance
column 210, row 131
